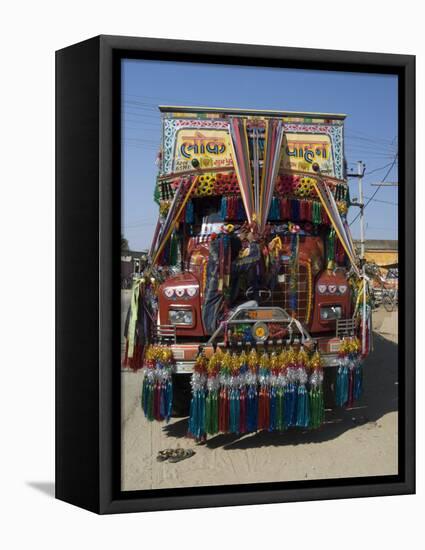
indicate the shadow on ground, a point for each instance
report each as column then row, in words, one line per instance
column 380, row 396
column 46, row 487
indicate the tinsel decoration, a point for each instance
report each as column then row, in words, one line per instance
column 317, row 404
column 349, row 375
column 197, row 415
column 157, row 387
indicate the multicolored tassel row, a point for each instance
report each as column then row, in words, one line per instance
column 251, row 392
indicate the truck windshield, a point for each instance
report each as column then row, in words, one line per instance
column 207, row 210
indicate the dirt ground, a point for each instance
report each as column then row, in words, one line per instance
column 358, row 442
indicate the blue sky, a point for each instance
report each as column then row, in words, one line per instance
column 368, row 100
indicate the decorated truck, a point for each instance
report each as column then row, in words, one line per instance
column 253, row 282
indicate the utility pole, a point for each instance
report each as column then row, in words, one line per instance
column 361, row 167
column 360, row 173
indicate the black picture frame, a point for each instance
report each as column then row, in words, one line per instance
column 87, row 272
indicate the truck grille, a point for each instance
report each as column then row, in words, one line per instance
column 281, row 294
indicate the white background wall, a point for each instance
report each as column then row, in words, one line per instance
column 30, row 32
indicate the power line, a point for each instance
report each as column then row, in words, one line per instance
column 378, row 169
column 381, row 201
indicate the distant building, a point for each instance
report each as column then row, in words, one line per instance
column 382, row 252
column 132, row 261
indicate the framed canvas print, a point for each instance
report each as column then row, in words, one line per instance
column 235, row 274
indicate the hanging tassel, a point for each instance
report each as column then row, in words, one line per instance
column 264, row 393
column 243, row 370
column 211, row 403
column 280, row 392
column 317, row 213
column 224, row 396
column 341, row 397
column 223, row 208
column 290, row 403
column 358, row 381
column 317, row 404
column 197, row 415
column 303, row 405
column 291, row 392
column 274, row 213
column 349, row 376
column 147, row 395
column 189, row 215
column 252, row 395
column 295, row 210
column 330, row 246
column 174, row 242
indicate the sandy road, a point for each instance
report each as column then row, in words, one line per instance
column 357, row 442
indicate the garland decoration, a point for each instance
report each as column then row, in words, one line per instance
column 157, row 387
column 138, row 325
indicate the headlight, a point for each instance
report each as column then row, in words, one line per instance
column 180, row 316
column 330, row 313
